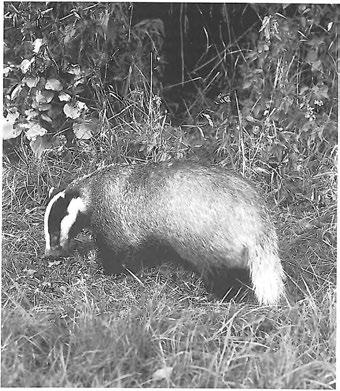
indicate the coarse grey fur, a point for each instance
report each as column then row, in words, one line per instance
column 206, row 216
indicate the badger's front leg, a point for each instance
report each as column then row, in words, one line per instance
column 112, row 259
column 117, row 258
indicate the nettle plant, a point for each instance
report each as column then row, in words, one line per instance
column 70, row 67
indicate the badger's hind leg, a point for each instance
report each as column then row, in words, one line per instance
column 228, row 283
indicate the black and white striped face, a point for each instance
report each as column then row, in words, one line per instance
column 62, row 221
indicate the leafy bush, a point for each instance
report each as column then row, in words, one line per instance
column 291, row 87
column 74, row 66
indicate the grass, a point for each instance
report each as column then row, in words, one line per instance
column 66, row 324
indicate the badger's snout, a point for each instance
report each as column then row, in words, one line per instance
column 55, row 252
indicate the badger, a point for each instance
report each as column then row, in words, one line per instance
column 203, row 216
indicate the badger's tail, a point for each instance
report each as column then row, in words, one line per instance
column 267, row 274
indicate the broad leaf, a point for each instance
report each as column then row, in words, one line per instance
column 37, row 45
column 82, row 131
column 44, row 96
column 54, row 85
column 8, row 129
column 39, row 145
column 64, row 97
column 16, row 91
column 74, row 110
column 31, row 81
column 25, row 65
column 31, row 113
column 35, row 130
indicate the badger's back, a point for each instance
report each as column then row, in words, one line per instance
column 207, row 214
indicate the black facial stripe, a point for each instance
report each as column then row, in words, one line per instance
column 58, row 212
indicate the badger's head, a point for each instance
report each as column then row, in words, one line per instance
column 65, row 216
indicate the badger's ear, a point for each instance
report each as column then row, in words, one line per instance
column 51, row 191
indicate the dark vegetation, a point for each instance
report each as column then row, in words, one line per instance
column 252, row 87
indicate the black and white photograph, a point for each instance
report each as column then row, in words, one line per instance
column 169, row 195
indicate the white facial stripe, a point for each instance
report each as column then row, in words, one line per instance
column 75, row 206
column 47, row 214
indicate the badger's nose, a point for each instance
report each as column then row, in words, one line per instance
column 48, row 253
column 54, row 252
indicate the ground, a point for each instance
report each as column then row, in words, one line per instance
column 66, row 324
